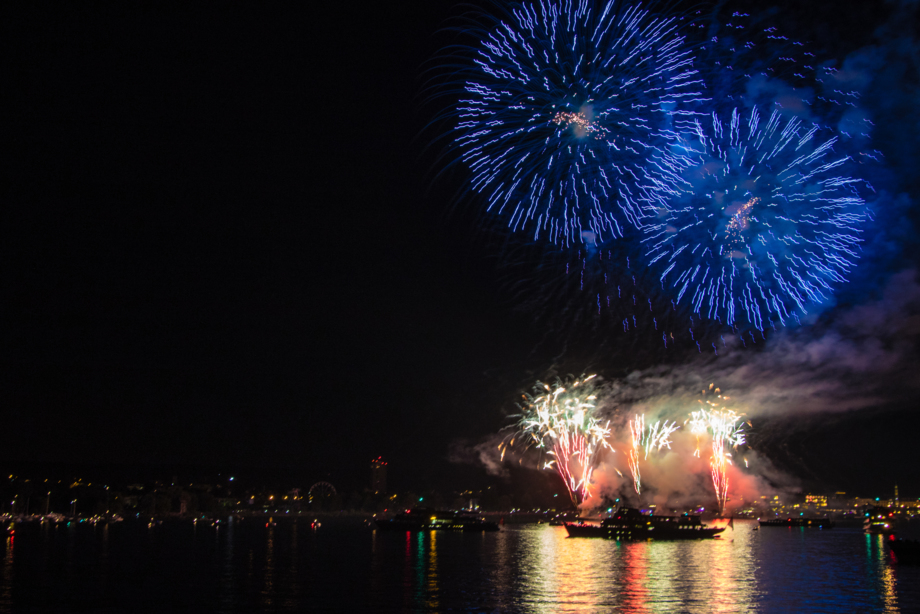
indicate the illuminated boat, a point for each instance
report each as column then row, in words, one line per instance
column 562, row 518
column 629, row 524
column 817, row 523
column 879, row 521
column 431, row 520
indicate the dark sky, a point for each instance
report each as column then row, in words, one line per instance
column 217, row 245
column 222, row 242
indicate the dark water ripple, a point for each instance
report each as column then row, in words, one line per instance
column 246, row 566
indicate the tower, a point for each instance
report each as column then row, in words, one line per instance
column 379, row 475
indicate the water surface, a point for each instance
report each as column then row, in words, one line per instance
column 246, row 566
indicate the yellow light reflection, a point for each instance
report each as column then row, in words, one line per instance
column 559, row 574
column 432, row 573
column 888, row 578
column 268, row 590
column 6, row 589
column 889, row 581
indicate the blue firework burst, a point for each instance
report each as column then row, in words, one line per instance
column 562, row 103
column 764, row 218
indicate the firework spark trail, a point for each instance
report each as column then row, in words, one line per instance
column 699, row 424
column 741, row 61
column 658, row 436
column 647, row 439
column 724, row 430
column 636, row 427
column 561, row 104
column 764, row 219
column 744, row 66
column 561, row 420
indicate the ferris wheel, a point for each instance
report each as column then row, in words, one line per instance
column 321, row 491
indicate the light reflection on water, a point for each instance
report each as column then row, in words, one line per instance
column 227, row 568
column 268, row 590
column 432, row 572
column 540, row 570
column 887, row 576
column 588, row 575
column 244, row 566
column 6, row 587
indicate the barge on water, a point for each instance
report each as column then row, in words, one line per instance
column 879, row 521
column 817, row 523
column 432, row 520
column 629, row 524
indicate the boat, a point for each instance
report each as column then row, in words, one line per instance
column 433, row 520
column 563, row 517
column 630, row 524
column 905, row 550
column 816, row 523
column 879, row 521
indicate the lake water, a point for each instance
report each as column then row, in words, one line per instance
column 245, row 566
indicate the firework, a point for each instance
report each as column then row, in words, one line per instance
column 646, row 440
column 764, row 219
column 610, row 288
column 724, row 431
column 561, row 104
column 722, row 426
column 561, row 421
column 636, row 427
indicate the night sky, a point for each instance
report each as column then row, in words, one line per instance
column 224, row 241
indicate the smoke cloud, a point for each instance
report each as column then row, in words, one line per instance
column 864, row 358
column 484, row 453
